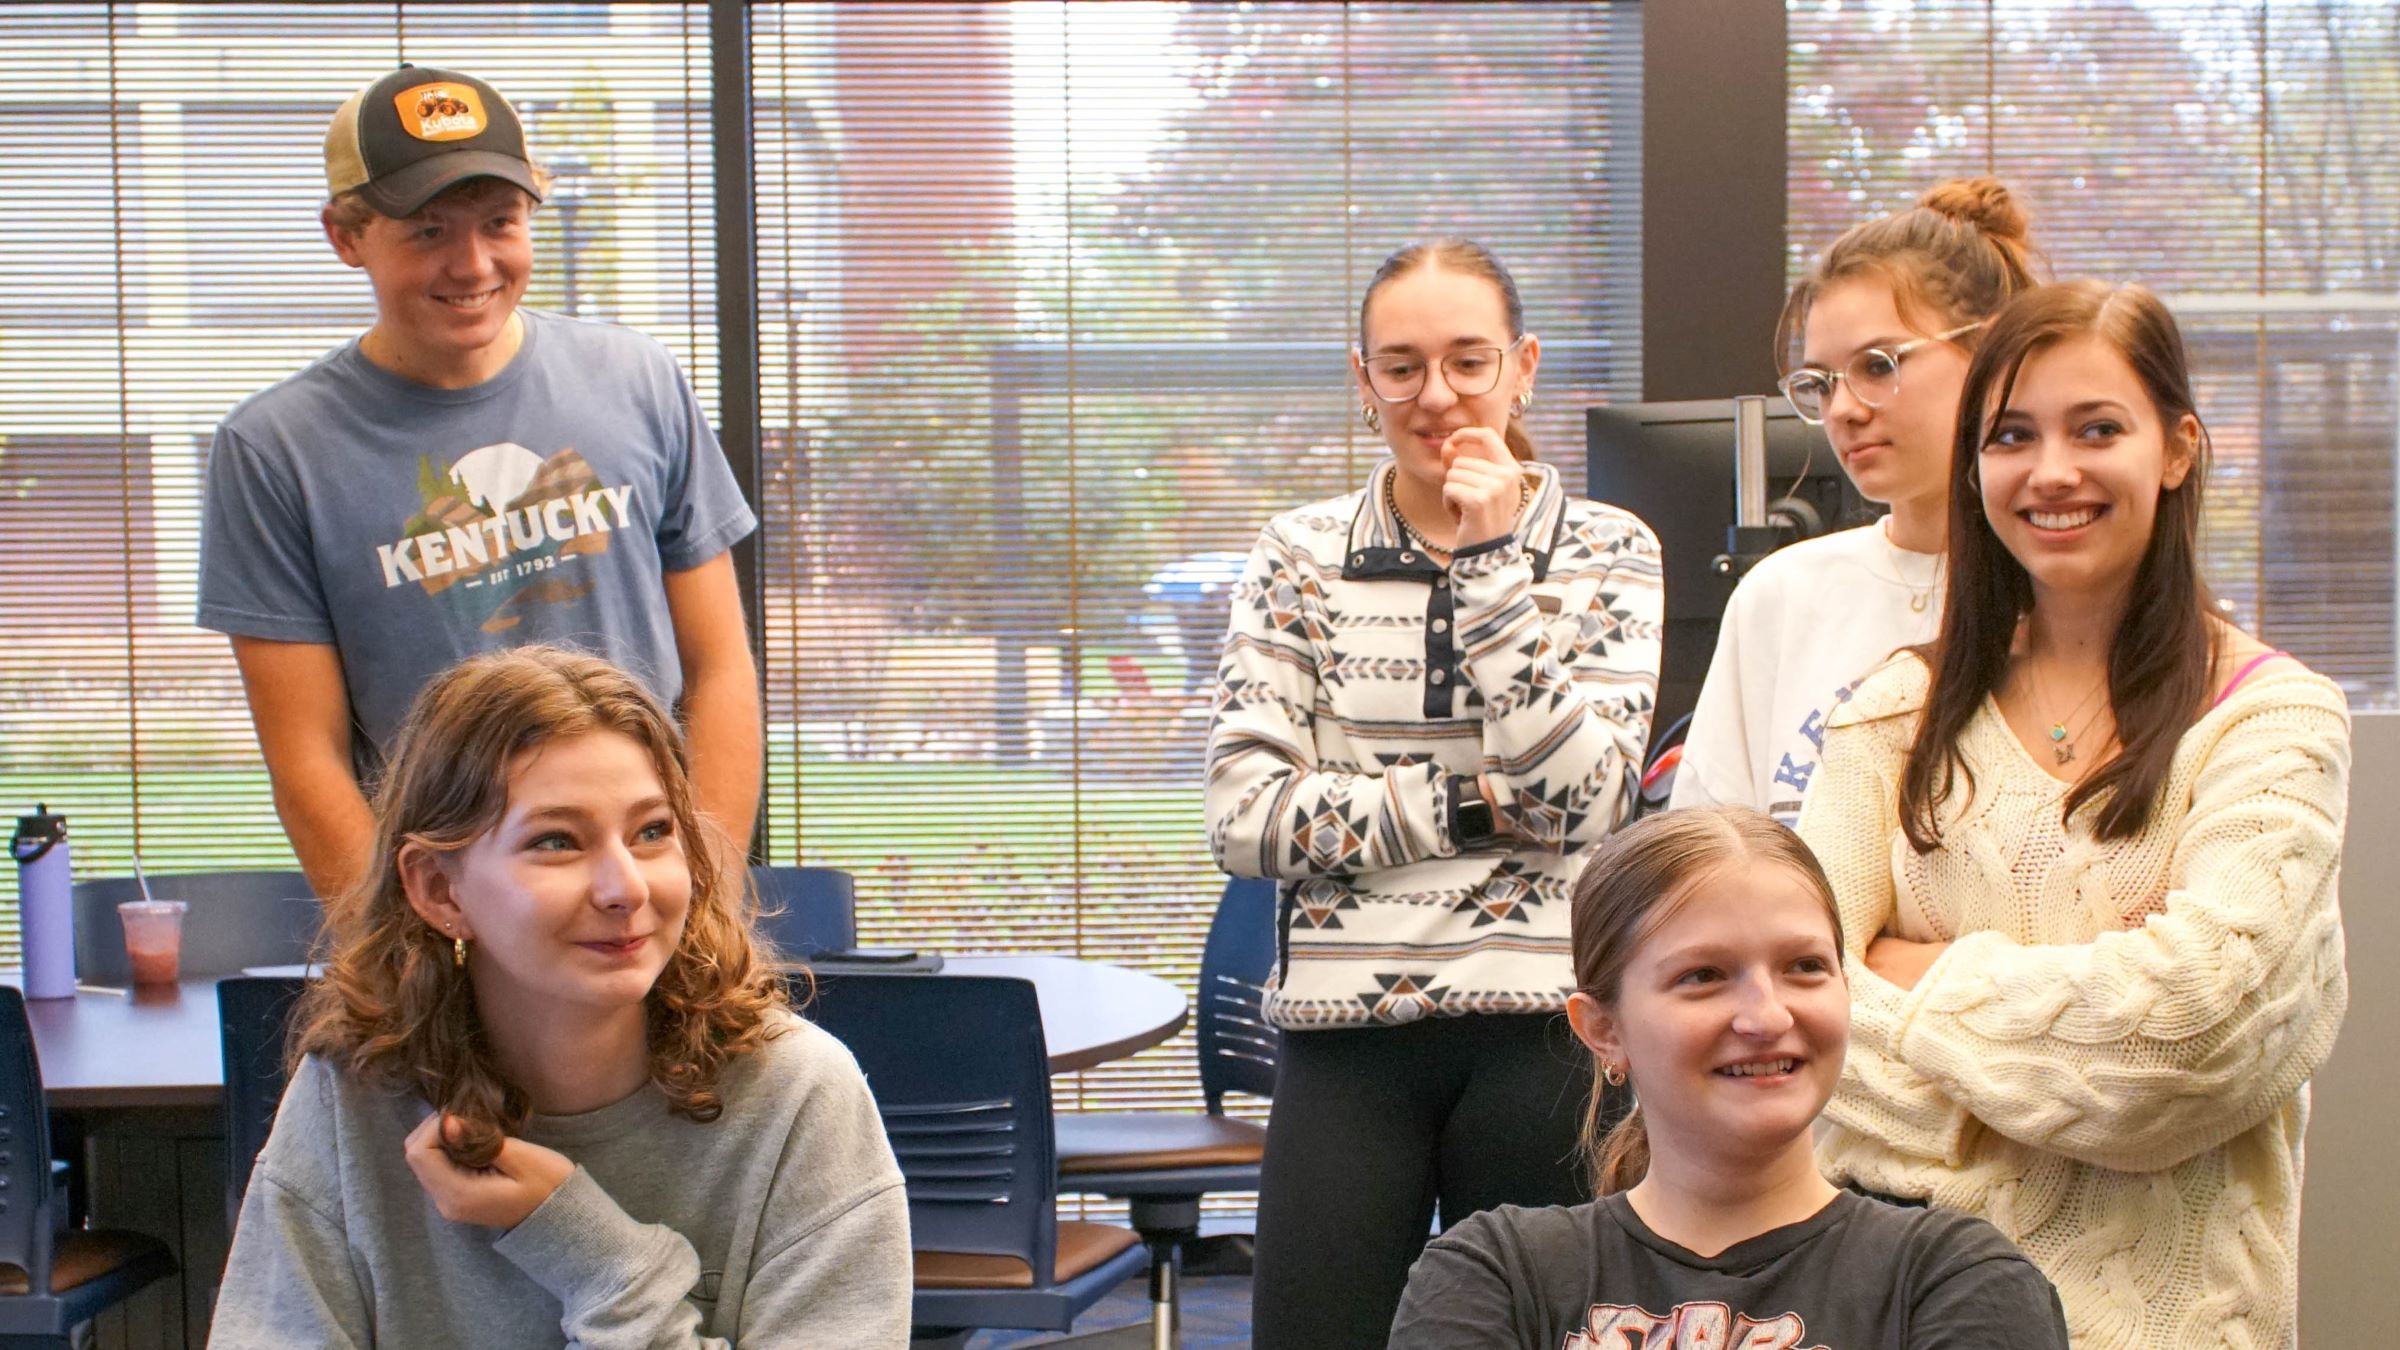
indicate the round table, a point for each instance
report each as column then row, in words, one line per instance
column 1092, row 1012
column 159, row 1047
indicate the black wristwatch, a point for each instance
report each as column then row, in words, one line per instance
column 1471, row 820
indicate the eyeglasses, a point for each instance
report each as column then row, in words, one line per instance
column 1470, row 372
column 1874, row 376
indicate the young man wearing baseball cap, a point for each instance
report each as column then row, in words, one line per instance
column 464, row 475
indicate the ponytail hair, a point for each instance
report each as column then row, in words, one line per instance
column 1959, row 255
column 1456, row 253
column 1636, row 879
column 1620, row 1158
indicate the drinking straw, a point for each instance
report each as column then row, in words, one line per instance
column 138, row 876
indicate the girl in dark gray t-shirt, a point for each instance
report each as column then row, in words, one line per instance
column 1708, row 968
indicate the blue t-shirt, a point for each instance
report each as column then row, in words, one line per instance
column 410, row 527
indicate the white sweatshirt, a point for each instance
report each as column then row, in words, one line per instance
column 1802, row 630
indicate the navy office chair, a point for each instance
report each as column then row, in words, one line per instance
column 807, row 911
column 237, row 919
column 1164, row 1162
column 962, row 1077
column 50, row 1281
column 253, row 1018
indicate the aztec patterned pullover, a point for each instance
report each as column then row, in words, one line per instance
column 1363, row 687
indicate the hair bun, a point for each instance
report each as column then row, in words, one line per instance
column 1985, row 203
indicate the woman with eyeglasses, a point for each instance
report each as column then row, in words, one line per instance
column 1882, row 325
column 2086, row 848
column 1435, row 692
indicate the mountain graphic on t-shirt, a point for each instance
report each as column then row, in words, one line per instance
column 496, row 475
column 506, row 503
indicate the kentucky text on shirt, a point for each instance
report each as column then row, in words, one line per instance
column 558, row 518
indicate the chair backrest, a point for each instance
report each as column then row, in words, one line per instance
column 236, row 919
column 253, row 1019
column 28, row 1230
column 1237, row 1046
column 962, row 1076
column 1659, row 768
column 808, row 910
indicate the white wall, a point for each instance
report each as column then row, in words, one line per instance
column 2350, row 1211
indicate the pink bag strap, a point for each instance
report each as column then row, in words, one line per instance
column 2244, row 673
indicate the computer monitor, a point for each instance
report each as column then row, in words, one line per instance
column 1672, row 465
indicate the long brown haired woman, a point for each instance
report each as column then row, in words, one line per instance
column 1708, row 972
column 2086, row 847
column 1433, row 697
column 548, row 1091
column 1874, row 343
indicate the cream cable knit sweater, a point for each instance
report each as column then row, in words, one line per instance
column 2110, row 1061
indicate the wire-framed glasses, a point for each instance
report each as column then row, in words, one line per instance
column 1397, row 377
column 1873, row 376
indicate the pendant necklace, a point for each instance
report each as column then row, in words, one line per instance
column 2062, row 744
column 1918, row 596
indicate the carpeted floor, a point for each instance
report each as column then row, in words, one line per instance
column 1216, row 1316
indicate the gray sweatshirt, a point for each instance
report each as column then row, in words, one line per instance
column 781, row 1223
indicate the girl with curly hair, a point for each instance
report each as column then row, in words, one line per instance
column 548, row 1091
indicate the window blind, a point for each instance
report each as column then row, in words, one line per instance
column 1055, row 308
column 2234, row 155
column 161, row 259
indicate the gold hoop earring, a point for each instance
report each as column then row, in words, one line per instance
column 1521, row 404
column 1611, row 1074
column 1371, row 415
column 1975, row 479
column 458, row 952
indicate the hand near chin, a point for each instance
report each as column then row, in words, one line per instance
column 1901, row 961
column 500, row 1196
column 1483, row 486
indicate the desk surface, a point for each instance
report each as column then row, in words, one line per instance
column 159, row 1047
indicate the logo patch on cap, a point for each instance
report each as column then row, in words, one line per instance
column 440, row 112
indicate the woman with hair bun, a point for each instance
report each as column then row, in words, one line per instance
column 548, row 1092
column 1708, row 973
column 1873, row 343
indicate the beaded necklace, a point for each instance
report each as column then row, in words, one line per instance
column 1409, row 533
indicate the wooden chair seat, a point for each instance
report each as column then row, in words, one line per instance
column 1139, row 1141
column 1081, row 1247
column 82, row 1257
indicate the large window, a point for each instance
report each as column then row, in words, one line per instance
column 2242, row 157
column 1056, row 301
column 1054, row 305
column 160, row 259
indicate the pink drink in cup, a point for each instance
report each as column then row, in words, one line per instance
column 154, row 939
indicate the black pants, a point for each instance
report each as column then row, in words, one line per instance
column 1372, row 1128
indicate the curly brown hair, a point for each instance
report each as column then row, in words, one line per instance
column 352, row 214
column 393, row 1008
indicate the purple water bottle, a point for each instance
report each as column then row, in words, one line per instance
column 45, row 904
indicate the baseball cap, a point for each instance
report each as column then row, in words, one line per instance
column 403, row 139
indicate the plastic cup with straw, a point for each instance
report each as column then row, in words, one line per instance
column 153, row 933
